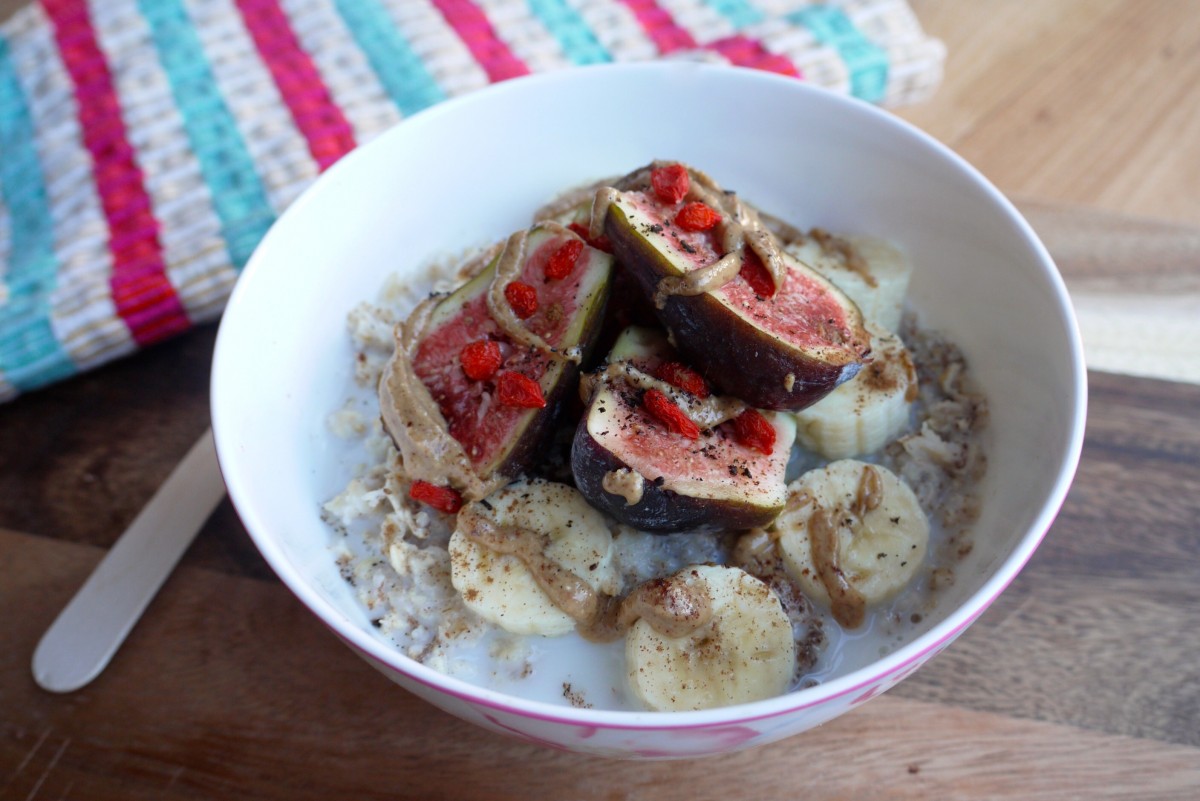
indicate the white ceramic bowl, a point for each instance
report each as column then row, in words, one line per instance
column 472, row 170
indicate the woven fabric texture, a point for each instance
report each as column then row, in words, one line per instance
column 147, row 145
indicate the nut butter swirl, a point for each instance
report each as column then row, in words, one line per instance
column 508, row 269
column 410, row 414
column 847, row 604
column 416, row 425
column 740, row 228
column 672, row 606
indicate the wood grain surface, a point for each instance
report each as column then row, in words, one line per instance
column 1082, row 680
column 1077, row 102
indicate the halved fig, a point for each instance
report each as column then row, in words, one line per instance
column 631, row 463
column 758, row 323
column 628, row 304
column 478, row 375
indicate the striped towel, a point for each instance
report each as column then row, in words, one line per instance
column 147, row 145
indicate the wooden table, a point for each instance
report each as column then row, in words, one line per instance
column 1082, row 681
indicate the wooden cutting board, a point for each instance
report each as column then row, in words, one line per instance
column 1082, row 681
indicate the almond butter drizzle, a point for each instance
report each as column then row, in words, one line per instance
column 740, row 227
column 508, row 269
column 672, row 606
column 567, row 591
column 416, row 425
column 410, row 414
column 869, row 493
column 848, row 605
column 626, row 482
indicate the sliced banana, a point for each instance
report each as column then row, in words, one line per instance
column 852, row 536
column 868, row 411
column 744, row 652
column 876, row 281
column 572, row 542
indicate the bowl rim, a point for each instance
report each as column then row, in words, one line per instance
column 896, row 662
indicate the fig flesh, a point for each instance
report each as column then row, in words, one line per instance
column 469, row 432
column 782, row 351
column 627, row 463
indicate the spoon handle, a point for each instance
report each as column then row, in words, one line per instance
column 90, row 629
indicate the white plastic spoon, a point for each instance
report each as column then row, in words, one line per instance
column 90, row 629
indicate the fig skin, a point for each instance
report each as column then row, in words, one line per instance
column 660, row 511
column 733, row 354
column 614, row 429
column 530, row 438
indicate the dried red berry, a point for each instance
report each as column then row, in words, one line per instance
column 755, row 274
column 522, row 298
column 696, row 216
column 444, row 499
column 670, row 415
column 754, row 431
column 562, row 261
column 480, row 360
column 514, row 389
column 670, row 183
column 683, row 377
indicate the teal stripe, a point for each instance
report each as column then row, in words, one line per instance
column 238, row 196
column 579, row 44
column 866, row 62
column 740, row 13
column 399, row 68
column 30, row 355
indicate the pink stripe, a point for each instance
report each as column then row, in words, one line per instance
column 745, row 52
column 318, row 118
column 141, row 292
column 477, row 33
column 662, row 29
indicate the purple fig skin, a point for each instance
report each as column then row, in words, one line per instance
column 660, row 511
column 529, row 439
column 733, row 354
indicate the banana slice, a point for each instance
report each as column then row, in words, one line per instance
column 868, row 411
column 744, row 651
column 853, row 536
column 875, row 276
column 554, row 529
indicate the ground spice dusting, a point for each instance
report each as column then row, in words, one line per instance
column 844, row 248
column 941, row 460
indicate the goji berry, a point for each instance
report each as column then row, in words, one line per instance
column 670, row 415
column 696, row 216
column 444, row 499
column 522, row 298
column 480, row 360
column 562, row 261
column 755, row 274
column 683, row 377
column 670, row 183
column 515, row 389
column 754, row 431
column 598, row 242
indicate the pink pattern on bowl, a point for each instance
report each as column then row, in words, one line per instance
column 981, row 276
